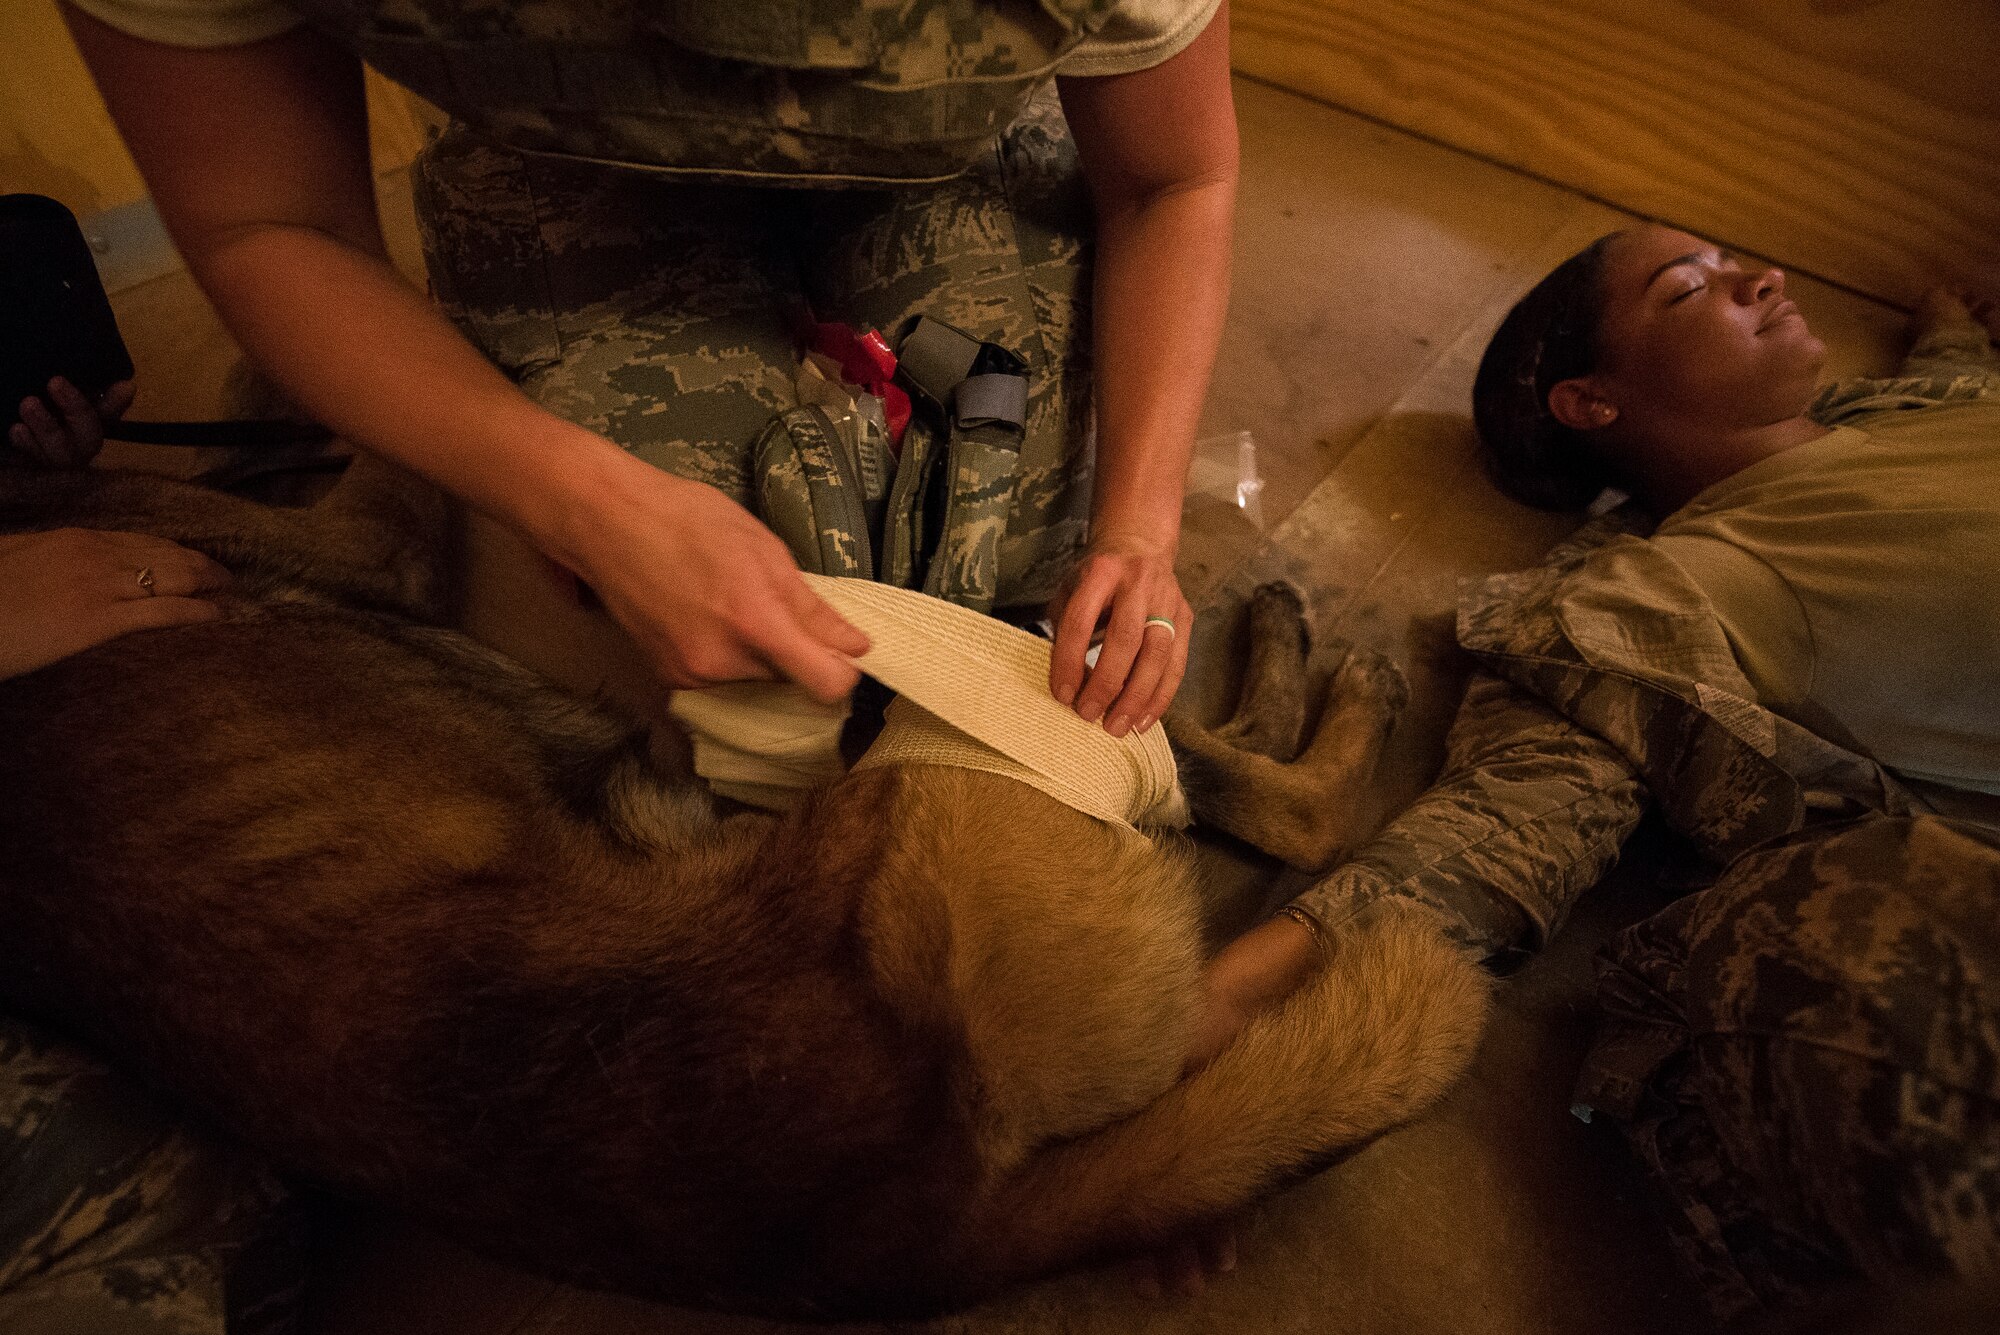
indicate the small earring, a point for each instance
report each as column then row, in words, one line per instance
column 1602, row 413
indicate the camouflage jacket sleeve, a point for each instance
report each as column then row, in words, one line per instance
column 118, row 1219
column 1951, row 359
column 1529, row 812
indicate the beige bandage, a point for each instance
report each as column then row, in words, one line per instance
column 974, row 693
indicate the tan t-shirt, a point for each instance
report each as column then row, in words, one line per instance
column 1140, row 35
column 194, row 22
column 1857, row 577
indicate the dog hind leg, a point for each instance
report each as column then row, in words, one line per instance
column 1334, row 774
column 1368, row 1043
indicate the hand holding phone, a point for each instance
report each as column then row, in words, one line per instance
column 63, row 428
column 55, row 320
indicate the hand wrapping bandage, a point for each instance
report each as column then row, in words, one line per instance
column 974, row 694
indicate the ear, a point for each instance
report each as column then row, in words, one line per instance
column 1578, row 406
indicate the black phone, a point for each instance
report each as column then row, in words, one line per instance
column 54, row 317
column 55, row 320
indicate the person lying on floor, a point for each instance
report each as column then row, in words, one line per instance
column 1788, row 642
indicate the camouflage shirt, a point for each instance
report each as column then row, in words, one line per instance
column 1606, row 685
column 120, row 1216
column 769, row 92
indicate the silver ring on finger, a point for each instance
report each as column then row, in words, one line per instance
column 146, row 580
column 1164, row 623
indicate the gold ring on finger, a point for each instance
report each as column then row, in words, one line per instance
column 146, row 580
column 1164, row 623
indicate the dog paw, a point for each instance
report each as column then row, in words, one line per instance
column 1368, row 678
column 1279, row 594
column 1278, row 608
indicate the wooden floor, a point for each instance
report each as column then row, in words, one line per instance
column 1370, row 268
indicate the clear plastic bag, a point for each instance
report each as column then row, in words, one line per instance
column 1224, row 468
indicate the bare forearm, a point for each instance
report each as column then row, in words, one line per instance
column 703, row 588
column 257, row 156
column 1159, row 153
column 1162, row 290
column 373, row 359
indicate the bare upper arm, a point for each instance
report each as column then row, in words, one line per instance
column 269, row 133
column 1157, row 130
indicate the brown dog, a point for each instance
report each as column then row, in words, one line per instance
column 435, row 934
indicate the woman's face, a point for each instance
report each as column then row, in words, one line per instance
column 1692, row 334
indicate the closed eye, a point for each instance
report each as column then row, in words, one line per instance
column 1677, row 300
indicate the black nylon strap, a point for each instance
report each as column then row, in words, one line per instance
column 934, row 357
column 239, row 432
column 984, row 400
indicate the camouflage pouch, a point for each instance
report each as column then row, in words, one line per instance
column 950, row 506
column 826, row 503
column 939, row 525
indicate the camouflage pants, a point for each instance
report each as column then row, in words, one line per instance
column 1806, row 1056
column 665, row 315
column 115, row 1219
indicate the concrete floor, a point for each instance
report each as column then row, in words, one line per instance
column 1371, row 266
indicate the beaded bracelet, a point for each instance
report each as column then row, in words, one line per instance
column 1305, row 920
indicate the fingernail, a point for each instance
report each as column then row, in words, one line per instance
column 1145, row 723
column 1065, row 695
column 1117, row 726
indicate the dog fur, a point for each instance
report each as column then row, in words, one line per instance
column 433, row 933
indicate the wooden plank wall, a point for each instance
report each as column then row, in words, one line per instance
column 1855, row 139
column 57, row 139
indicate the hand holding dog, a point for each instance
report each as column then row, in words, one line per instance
column 1121, row 582
column 1251, row 974
column 71, row 589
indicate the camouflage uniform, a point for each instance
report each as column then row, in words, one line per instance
column 117, row 1219
column 1607, row 688
column 664, row 314
column 1806, row 1057
column 602, row 223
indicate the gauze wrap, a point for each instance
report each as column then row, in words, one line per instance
column 972, row 693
